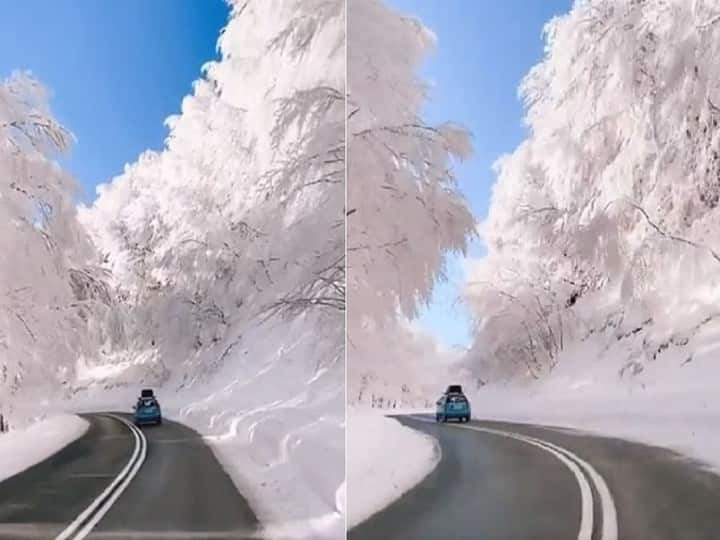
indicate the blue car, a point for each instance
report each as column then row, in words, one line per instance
column 453, row 405
column 147, row 410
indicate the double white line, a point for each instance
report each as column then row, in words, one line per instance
column 585, row 475
column 86, row 521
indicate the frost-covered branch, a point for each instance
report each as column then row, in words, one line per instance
column 668, row 235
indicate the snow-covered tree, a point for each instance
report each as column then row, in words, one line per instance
column 227, row 250
column 613, row 195
column 244, row 208
column 52, row 298
column 222, row 280
column 405, row 213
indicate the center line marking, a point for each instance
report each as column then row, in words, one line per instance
column 99, row 507
column 574, row 464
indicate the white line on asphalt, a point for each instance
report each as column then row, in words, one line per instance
column 97, row 509
column 609, row 513
column 586, row 498
column 572, row 462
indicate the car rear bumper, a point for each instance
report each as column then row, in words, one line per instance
column 140, row 420
column 456, row 414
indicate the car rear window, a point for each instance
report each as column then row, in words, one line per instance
column 457, row 399
column 148, row 402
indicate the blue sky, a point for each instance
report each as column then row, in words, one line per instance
column 484, row 49
column 116, row 69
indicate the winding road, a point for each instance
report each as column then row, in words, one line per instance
column 118, row 481
column 499, row 480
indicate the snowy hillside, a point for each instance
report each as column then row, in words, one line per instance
column 604, row 219
column 22, row 448
column 598, row 295
column 221, row 279
column 385, row 460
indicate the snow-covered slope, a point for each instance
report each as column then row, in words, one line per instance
column 273, row 413
column 23, row 447
column 597, row 301
column 607, row 386
column 385, row 460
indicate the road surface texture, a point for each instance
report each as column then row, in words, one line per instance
column 499, row 480
column 178, row 491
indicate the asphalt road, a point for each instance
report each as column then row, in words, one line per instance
column 179, row 490
column 492, row 486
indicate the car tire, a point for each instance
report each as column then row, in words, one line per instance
column 159, row 422
column 437, row 417
column 444, row 419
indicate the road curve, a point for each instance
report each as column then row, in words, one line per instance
column 179, row 489
column 496, row 481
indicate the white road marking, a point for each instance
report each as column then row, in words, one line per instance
column 607, row 503
column 574, row 463
column 99, row 507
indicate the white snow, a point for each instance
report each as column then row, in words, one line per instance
column 385, row 460
column 672, row 401
column 22, row 448
column 408, row 213
column 274, row 418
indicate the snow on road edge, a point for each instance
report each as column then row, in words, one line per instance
column 673, row 421
column 22, row 448
column 384, row 460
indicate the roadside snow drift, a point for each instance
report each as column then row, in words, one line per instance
column 384, row 459
column 274, row 418
column 669, row 401
column 22, row 448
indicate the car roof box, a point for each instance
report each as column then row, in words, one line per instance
column 147, row 392
column 454, row 389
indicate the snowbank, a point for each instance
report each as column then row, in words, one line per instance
column 273, row 414
column 609, row 386
column 384, row 460
column 22, row 448
column 679, row 420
